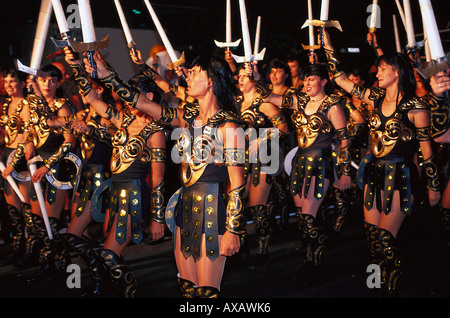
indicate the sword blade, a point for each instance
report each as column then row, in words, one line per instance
column 41, row 34
column 13, row 184
column 29, row 70
column 161, row 32
column 41, row 200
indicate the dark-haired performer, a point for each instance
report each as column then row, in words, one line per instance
column 15, row 122
column 139, row 150
column 268, row 126
column 52, row 145
column 318, row 117
column 213, row 150
column 399, row 123
column 95, row 141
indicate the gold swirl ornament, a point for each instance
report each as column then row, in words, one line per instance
column 384, row 141
column 309, row 128
column 126, row 152
column 12, row 126
column 86, row 146
column 194, row 165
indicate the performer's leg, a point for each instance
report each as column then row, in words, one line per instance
column 312, row 270
column 17, row 232
column 187, row 270
column 112, row 258
column 209, row 273
column 260, row 213
column 33, row 241
column 391, row 264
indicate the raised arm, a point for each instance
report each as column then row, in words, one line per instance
column 130, row 95
column 168, row 88
column 340, row 77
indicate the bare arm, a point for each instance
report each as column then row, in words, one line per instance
column 157, row 143
column 339, row 77
column 133, row 97
column 233, row 142
column 421, row 120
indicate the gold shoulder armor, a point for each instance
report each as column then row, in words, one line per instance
column 302, row 98
column 334, row 98
column 415, row 103
column 57, row 104
column 190, row 111
column 376, row 93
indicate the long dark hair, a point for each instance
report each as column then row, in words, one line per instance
column 406, row 81
column 321, row 71
column 218, row 70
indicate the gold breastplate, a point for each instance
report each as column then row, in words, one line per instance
column 129, row 149
column 383, row 141
column 39, row 113
column 197, row 153
column 309, row 127
column 253, row 116
column 13, row 123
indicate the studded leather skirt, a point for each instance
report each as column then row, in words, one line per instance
column 308, row 163
column 128, row 198
column 201, row 210
column 388, row 174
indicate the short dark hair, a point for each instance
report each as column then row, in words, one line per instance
column 53, row 71
column 321, row 71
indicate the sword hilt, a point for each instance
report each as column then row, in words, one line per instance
column 183, row 76
column 30, row 89
column 93, row 64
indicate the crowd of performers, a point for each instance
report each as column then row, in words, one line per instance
column 367, row 145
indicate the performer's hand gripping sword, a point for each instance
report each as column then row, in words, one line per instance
column 89, row 44
column 13, row 184
column 248, row 56
column 126, row 29
column 176, row 62
column 228, row 42
column 322, row 23
column 438, row 60
column 38, row 189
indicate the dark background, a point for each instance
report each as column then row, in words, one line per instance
column 192, row 25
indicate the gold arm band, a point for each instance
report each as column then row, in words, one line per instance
column 423, row 133
column 342, row 134
column 18, row 155
column 158, row 203
column 61, row 153
column 158, row 155
column 168, row 114
column 333, row 64
column 344, row 160
column 358, row 91
column 431, row 174
column 235, row 217
column 234, row 157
